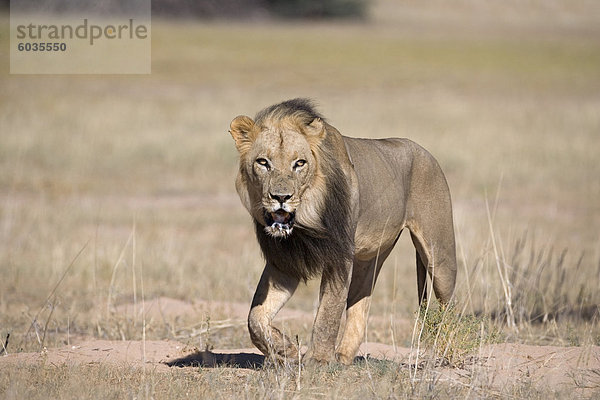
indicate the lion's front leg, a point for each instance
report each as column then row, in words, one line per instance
column 333, row 296
column 273, row 291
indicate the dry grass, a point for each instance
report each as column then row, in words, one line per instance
column 368, row 379
column 138, row 172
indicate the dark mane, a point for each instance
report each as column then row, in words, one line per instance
column 307, row 253
column 304, row 109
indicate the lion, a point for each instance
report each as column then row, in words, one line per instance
column 333, row 206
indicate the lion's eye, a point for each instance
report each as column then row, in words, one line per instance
column 263, row 162
column 299, row 163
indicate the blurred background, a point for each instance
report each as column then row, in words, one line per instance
column 137, row 172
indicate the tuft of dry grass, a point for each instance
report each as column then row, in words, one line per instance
column 450, row 336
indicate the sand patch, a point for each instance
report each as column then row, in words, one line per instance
column 496, row 366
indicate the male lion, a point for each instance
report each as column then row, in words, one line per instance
column 328, row 204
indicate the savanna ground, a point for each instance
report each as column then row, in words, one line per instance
column 123, row 244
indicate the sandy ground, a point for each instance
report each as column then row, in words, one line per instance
column 498, row 365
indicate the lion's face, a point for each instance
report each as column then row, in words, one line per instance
column 280, row 167
column 277, row 170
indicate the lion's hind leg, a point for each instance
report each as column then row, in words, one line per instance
column 437, row 256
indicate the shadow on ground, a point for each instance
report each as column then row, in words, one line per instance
column 208, row 359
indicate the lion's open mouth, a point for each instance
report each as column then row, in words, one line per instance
column 279, row 223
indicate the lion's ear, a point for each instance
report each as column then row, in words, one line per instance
column 240, row 129
column 316, row 128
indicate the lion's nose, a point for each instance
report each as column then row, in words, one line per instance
column 282, row 198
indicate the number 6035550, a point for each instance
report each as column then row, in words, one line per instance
column 42, row 46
